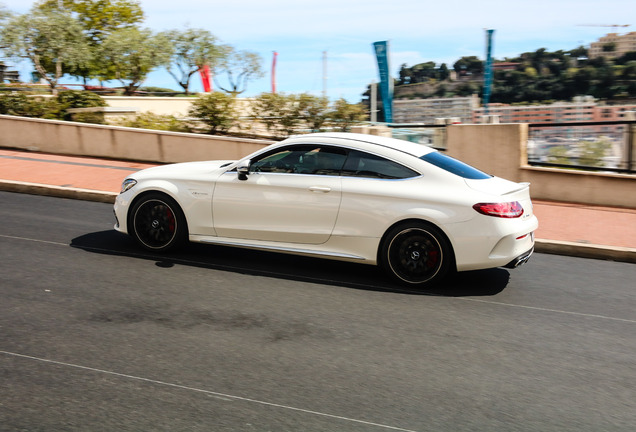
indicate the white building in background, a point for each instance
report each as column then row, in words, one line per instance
column 427, row 110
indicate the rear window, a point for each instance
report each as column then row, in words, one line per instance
column 454, row 166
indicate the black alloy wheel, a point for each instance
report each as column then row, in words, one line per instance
column 158, row 223
column 416, row 254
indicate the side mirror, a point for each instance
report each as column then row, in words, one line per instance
column 243, row 169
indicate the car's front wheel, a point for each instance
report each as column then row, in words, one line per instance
column 416, row 254
column 157, row 222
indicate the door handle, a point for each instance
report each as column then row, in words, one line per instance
column 322, row 189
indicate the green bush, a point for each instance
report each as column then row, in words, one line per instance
column 19, row 104
column 170, row 92
column 216, row 110
column 287, row 114
column 79, row 99
column 345, row 115
column 148, row 120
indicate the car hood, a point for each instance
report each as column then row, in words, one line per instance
column 184, row 169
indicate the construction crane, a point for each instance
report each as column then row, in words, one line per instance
column 604, row 25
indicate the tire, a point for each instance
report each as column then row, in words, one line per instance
column 157, row 223
column 416, row 254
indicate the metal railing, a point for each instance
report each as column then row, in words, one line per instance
column 426, row 134
column 592, row 146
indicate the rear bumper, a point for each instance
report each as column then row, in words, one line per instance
column 520, row 260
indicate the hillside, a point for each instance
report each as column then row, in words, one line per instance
column 538, row 76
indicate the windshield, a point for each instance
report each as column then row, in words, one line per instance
column 454, row 166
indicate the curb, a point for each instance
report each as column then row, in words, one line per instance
column 555, row 247
column 58, row 191
column 582, row 250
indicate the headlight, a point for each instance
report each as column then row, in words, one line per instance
column 127, row 184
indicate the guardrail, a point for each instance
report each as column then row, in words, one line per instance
column 590, row 146
column 427, row 134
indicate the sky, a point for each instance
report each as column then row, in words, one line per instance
column 418, row 31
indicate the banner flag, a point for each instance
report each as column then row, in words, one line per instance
column 274, row 72
column 204, row 71
column 386, row 82
column 488, row 72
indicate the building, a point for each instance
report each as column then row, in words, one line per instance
column 467, row 109
column 8, row 75
column 425, row 111
column 613, row 45
column 581, row 109
column 505, row 66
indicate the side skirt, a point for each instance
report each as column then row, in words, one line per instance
column 280, row 248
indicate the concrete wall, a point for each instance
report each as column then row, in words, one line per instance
column 61, row 137
column 500, row 149
column 497, row 149
column 176, row 106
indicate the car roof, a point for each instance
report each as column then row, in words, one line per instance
column 408, row 147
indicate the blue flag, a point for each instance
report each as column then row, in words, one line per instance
column 386, row 82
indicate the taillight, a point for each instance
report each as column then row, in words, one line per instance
column 502, row 210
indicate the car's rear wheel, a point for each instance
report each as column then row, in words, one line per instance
column 416, row 254
column 157, row 222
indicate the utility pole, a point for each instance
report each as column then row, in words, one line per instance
column 374, row 102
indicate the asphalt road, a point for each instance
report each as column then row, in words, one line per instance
column 96, row 335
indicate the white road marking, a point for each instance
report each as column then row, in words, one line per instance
column 547, row 310
column 34, row 240
column 222, row 396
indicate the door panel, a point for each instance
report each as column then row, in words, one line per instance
column 284, row 207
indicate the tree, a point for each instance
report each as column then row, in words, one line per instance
column 609, row 47
column 312, row 111
column 470, row 65
column 99, row 18
column 4, row 13
column 192, row 49
column 579, row 52
column 239, row 67
column 444, row 74
column 130, row 54
column 419, row 73
column 344, row 115
column 51, row 39
column 269, row 109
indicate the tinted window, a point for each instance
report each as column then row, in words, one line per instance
column 361, row 164
column 316, row 160
column 454, row 166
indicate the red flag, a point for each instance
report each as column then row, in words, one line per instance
column 204, row 71
column 274, row 72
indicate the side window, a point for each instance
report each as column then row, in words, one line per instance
column 360, row 164
column 304, row 159
column 279, row 161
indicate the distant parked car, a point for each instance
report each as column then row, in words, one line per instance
column 409, row 208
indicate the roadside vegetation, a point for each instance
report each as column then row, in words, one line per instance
column 104, row 41
column 269, row 115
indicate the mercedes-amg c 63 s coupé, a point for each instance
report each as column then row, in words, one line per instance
column 411, row 209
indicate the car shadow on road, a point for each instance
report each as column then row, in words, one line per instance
column 303, row 269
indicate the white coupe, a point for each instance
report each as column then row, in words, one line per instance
column 413, row 210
